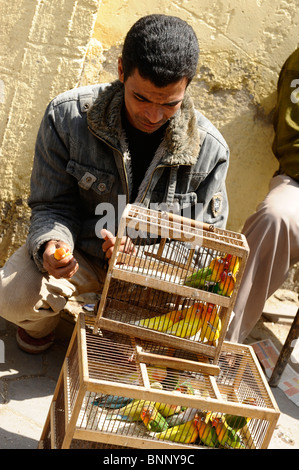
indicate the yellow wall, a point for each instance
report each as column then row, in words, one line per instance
column 48, row 46
column 43, row 44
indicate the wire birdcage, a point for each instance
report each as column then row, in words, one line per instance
column 118, row 390
column 174, row 280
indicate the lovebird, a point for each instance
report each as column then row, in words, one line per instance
column 206, row 432
column 167, row 410
column 186, row 415
column 185, row 433
column 152, row 419
column 238, row 422
column 211, row 323
column 130, row 412
column 226, row 283
column 161, row 322
column 227, row 437
column 212, row 273
column 190, row 324
column 186, row 388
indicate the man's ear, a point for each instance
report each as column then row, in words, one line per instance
column 120, row 70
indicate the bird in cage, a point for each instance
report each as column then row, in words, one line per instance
column 167, row 410
column 226, row 283
column 227, row 437
column 187, row 414
column 211, row 277
column 211, row 323
column 130, row 412
column 185, row 433
column 238, row 422
column 161, row 322
column 206, row 432
column 152, row 419
column 190, row 324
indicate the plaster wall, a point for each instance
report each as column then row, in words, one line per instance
column 43, row 44
column 48, row 46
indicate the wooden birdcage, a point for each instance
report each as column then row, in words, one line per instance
column 106, row 375
column 174, row 280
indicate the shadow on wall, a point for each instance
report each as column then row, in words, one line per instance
column 248, row 130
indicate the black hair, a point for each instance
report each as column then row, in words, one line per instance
column 163, row 48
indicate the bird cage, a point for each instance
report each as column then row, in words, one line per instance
column 118, row 391
column 174, row 281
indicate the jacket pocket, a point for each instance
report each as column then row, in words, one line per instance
column 185, row 200
column 91, row 178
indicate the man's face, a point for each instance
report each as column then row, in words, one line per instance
column 149, row 107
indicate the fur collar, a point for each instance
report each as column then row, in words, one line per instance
column 180, row 145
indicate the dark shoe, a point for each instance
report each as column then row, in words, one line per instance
column 33, row 345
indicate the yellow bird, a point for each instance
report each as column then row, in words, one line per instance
column 130, row 412
column 161, row 322
column 185, row 433
column 190, row 324
column 167, row 410
column 211, row 323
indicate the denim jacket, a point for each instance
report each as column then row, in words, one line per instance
column 82, row 164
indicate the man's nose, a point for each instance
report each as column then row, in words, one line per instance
column 154, row 113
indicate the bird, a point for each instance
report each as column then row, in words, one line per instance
column 179, row 418
column 153, row 420
column 211, row 274
column 167, row 410
column 185, row 433
column 211, row 323
column 189, row 325
column 226, row 283
column 238, row 422
column 130, row 412
column 161, row 322
column 206, row 432
column 232, row 263
column 227, row 437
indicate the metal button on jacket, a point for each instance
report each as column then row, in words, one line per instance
column 102, row 187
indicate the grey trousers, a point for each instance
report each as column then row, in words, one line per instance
column 272, row 233
column 33, row 300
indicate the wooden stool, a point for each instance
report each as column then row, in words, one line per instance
column 285, row 353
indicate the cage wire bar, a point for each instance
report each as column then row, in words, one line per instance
column 105, row 375
column 174, row 281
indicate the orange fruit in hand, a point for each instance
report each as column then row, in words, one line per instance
column 61, row 253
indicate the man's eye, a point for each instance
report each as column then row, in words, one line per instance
column 138, row 98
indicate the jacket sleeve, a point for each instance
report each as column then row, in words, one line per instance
column 53, row 194
column 286, row 118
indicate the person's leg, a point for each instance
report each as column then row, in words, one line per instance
column 272, row 233
column 33, row 300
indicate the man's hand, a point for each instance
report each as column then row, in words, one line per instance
column 63, row 268
column 126, row 245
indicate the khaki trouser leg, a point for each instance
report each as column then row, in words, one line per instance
column 272, row 233
column 33, row 300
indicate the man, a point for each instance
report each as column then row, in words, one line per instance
column 139, row 139
column 272, row 231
